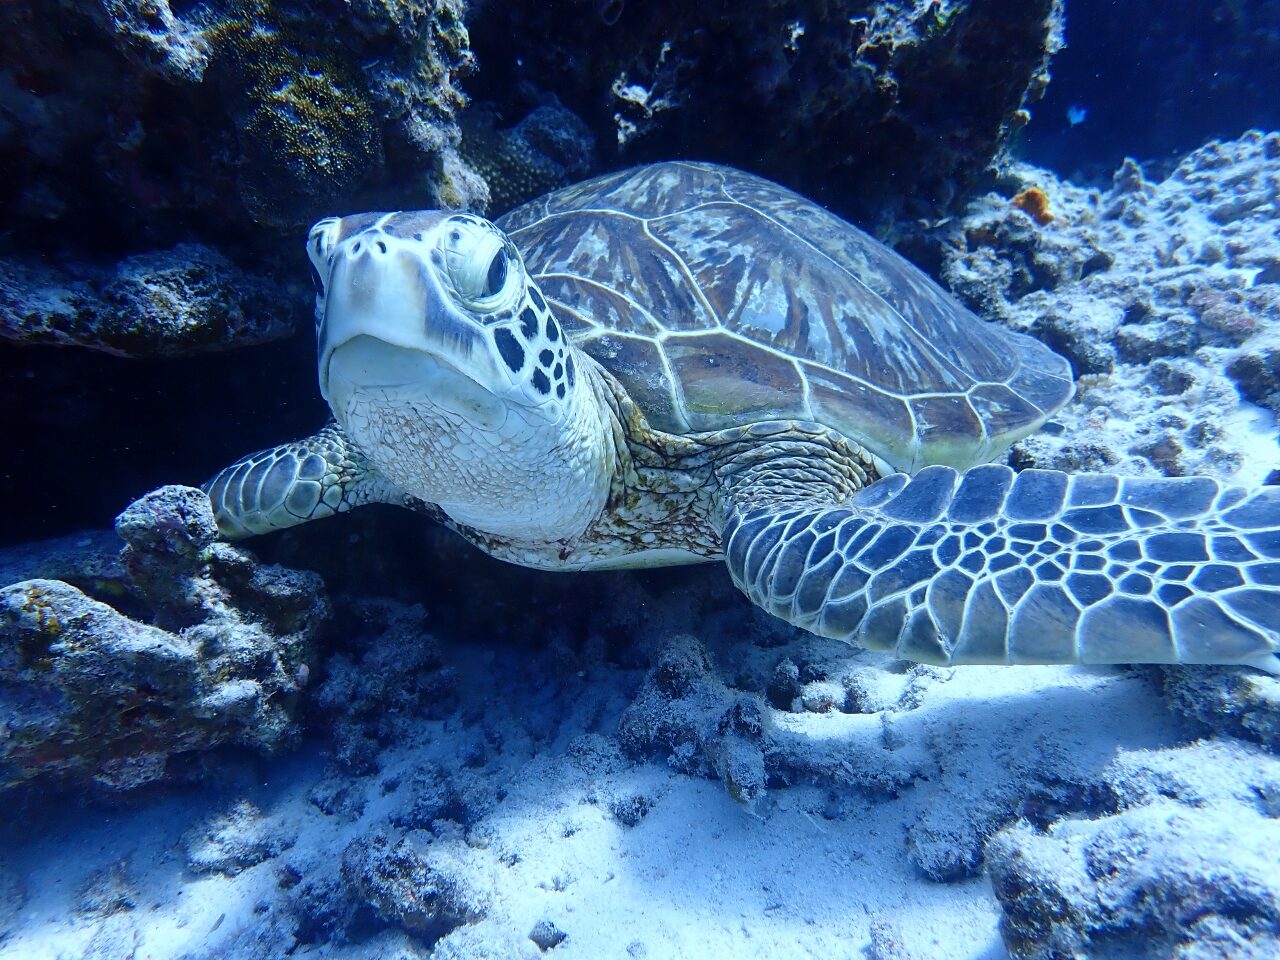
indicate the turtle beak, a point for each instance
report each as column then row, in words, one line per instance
column 380, row 289
column 387, row 327
column 373, row 293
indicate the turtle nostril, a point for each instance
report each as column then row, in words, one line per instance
column 356, row 248
column 382, row 247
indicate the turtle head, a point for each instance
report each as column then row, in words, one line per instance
column 436, row 302
column 443, row 363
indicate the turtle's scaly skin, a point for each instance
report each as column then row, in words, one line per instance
column 721, row 369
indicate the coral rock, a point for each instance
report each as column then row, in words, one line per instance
column 416, row 883
column 687, row 712
column 1158, row 292
column 1238, row 703
column 186, row 300
column 547, row 149
column 1135, row 885
column 93, row 695
column 760, row 87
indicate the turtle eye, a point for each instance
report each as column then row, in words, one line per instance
column 319, row 245
column 480, row 264
column 497, row 276
column 322, row 236
column 317, row 282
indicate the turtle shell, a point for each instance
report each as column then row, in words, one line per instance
column 719, row 299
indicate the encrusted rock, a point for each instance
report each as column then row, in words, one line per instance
column 88, row 560
column 390, row 682
column 863, row 79
column 547, row 149
column 154, row 116
column 1163, row 295
column 431, row 796
column 629, row 808
column 416, row 883
column 186, row 300
column 1159, row 880
column 89, row 693
column 546, row 935
column 1239, row 703
column 339, row 796
column 236, row 840
column 108, row 891
column 687, row 713
column 318, row 900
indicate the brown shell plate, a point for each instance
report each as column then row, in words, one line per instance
column 720, row 299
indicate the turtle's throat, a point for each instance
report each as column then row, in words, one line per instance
column 368, row 364
column 490, row 463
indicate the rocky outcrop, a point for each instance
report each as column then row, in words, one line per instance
column 226, row 114
column 1163, row 294
column 91, row 695
column 848, row 100
column 177, row 302
column 1184, row 867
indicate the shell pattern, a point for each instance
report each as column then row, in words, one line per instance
column 720, row 299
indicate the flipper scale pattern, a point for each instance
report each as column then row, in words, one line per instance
column 290, row 484
column 990, row 566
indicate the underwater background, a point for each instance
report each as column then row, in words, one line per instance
column 363, row 738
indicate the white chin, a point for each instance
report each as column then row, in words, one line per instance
column 365, row 365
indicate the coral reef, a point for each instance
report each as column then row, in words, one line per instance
column 184, row 108
column 92, row 695
column 478, row 789
column 502, row 763
column 1134, row 883
column 424, row 46
column 186, row 300
column 549, row 148
column 1164, row 295
column 843, row 100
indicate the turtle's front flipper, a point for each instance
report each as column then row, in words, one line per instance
column 293, row 483
column 1037, row 567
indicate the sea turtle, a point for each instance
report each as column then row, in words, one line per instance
column 684, row 362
